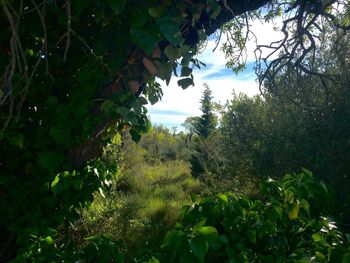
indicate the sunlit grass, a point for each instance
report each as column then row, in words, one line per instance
column 143, row 204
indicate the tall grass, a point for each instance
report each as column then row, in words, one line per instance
column 142, row 205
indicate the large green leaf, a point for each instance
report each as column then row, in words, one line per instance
column 145, row 39
column 50, row 160
column 199, row 246
column 170, row 29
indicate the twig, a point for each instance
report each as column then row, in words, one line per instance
column 69, row 29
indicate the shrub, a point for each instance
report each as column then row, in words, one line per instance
column 287, row 224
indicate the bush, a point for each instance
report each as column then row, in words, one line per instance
column 287, row 224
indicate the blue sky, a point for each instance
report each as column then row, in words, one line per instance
column 177, row 104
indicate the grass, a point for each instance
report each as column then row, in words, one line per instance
column 142, row 205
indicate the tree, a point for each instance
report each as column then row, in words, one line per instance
column 73, row 74
column 207, row 121
column 203, row 126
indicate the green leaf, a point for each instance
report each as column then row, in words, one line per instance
column 323, row 185
column 50, row 160
column 145, row 39
column 186, row 71
column 185, row 83
column 293, row 213
column 17, row 140
column 153, row 98
column 59, row 135
column 321, row 257
column 252, row 235
column 116, row 5
column 222, row 197
column 56, row 181
column 172, row 53
column 199, row 225
column 199, row 247
column 211, row 235
column 156, row 11
column 316, row 237
column 305, row 204
column 48, row 240
column 174, row 238
column 170, row 30
column 136, row 136
column 216, row 9
column 208, row 231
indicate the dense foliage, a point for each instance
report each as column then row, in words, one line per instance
column 145, row 201
column 287, row 224
column 200, row 130
column 73, row 74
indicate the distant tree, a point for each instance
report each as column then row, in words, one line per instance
column 207, row 121
column 202, row 127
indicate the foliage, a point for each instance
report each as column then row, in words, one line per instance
column 67, row 86
column 207, row 121
column 73, row 74
column 301, row 121
column 202, row 127
column 282, row 226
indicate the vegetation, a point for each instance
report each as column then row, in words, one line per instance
column 201, row 128
column 283, row 226
column 146, row 199
column 76, row 74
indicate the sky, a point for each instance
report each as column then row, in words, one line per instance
column 178, row 104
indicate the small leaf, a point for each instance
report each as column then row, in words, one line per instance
column 208, row 230
column 54, row 182
column 48, row 240
column 148, row 64
column 186, row 71
column 185, row 83
column 222, row 197
column 172, row 53
column 293, row 213
column 316, row 237
column 323, row 185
